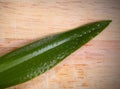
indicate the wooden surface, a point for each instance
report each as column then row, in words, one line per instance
column 94, row 66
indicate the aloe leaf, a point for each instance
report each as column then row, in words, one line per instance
column 36, row 58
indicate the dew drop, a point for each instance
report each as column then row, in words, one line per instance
column 98, row 25
column 45, row 64
column 81, row 35
column 93, row 29
column 85, row 33
column 89, row 31
column 31, row 75
column 28, row 76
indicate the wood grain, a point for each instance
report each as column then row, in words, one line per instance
column 94, row 66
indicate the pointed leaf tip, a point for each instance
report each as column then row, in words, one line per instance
column 106, row 22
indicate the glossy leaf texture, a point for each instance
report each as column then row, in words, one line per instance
column 36, row 58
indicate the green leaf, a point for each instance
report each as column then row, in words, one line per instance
column 36, row 58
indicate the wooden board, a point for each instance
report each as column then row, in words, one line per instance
column 94, row 66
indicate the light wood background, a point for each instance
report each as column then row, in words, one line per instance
column 94, row 66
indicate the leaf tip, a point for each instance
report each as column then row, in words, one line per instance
column 107, row 22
